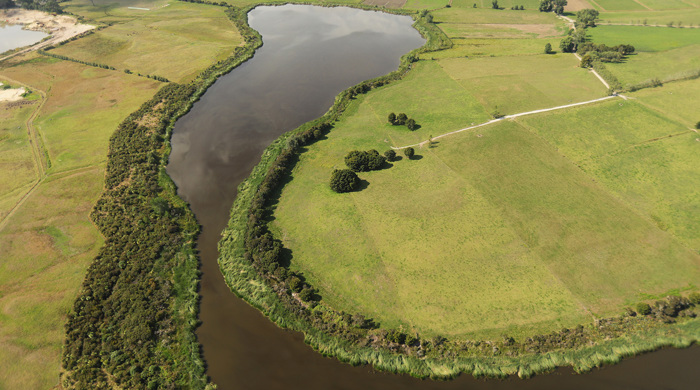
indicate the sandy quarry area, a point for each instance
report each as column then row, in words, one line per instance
column 61, row 27
column 11, row 95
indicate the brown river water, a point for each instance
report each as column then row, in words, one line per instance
column 309, row 55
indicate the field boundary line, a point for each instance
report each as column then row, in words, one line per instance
column 513, row 116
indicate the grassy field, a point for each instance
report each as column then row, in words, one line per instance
column 661, row 18
column 620, row 5
column 49, row 241
column 544, row 222
column 501, row 212
column 18, row 171
column 662, row 53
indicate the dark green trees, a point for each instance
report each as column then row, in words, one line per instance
column 548, row 48
column 697, row 125
column 494, row 4
column 401, row 119
column 364, row 161
column 390, row 155
column 586, row 18
column 553, row 5
column 409, row 152
column 344, row 180
column 392, row 118
column 411, row 124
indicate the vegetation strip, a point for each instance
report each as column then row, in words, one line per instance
column 133, row 323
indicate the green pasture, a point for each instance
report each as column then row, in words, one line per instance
column 528, row 4
column 645, row 38
column 643, row 155
column 620, row 5
column 493, row 47
column 670, row 4
column 17, row 172
column 486, row 231
column 677, row 101
column 666, row 66
column 687, row 17
column 174, row 41
column 517, row 84
column 491, row 16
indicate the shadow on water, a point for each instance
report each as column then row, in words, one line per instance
column 310, row 55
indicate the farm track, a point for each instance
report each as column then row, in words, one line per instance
column 513, row 116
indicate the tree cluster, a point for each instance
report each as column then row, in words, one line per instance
column 517, row 8
column 402, row 119
column 553, row 5
column 586, row 18
column 50, row 6
column 600, row 52
column 360, row 161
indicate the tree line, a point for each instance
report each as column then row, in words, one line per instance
column 50, row 6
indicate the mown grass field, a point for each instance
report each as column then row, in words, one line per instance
column 661, row 53
column 620, row 5
column 48, row 241
column 661, row 18
column 173, row 41
column 519, row 227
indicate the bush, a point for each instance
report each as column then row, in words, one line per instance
column 306, row 294
column 392, row 118
column 643, row 308
column 390, row 155
column 411, row 124
column 694, row 298
column 364, row 161
column 409, row 152
column 344, row 180
column 697, row 125
column 548, row 48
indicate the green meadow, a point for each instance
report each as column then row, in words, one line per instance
column 174, row 41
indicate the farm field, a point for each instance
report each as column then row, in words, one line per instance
column 174, row 41
column 49, row 241
column 569, row 195
column 18, row 173
column 687, row 17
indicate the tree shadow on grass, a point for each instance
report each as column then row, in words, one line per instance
column 416, row 157
column 362, row 186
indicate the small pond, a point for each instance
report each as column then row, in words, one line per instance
column 13, row 36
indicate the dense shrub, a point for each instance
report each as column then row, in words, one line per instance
column 411, row 124
column 344, row 180
column 360, row 161
column 643, row 308
column 409, row 152
column 390, row 155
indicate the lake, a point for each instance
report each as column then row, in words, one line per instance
column 12, row 36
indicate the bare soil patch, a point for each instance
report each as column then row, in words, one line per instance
column 577, row 5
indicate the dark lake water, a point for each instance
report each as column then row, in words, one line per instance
column 12, row 37
column 309, row 55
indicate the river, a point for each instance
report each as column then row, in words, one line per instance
column 309, row 55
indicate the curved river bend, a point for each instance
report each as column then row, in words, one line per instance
column 310, row 54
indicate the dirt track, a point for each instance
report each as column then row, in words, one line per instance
column 60, row 27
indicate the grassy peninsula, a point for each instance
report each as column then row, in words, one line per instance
column 528, row 243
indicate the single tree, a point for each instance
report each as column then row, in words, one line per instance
column 494, row 4
column 409, row 152
column 586, row 61
column 548, row 48
column 567, row 45
column 697, row 125
column 586, row 17
column 411, row 124
column 390, row 155
column 344, row 180
column 559, row 6
column 392, row 118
